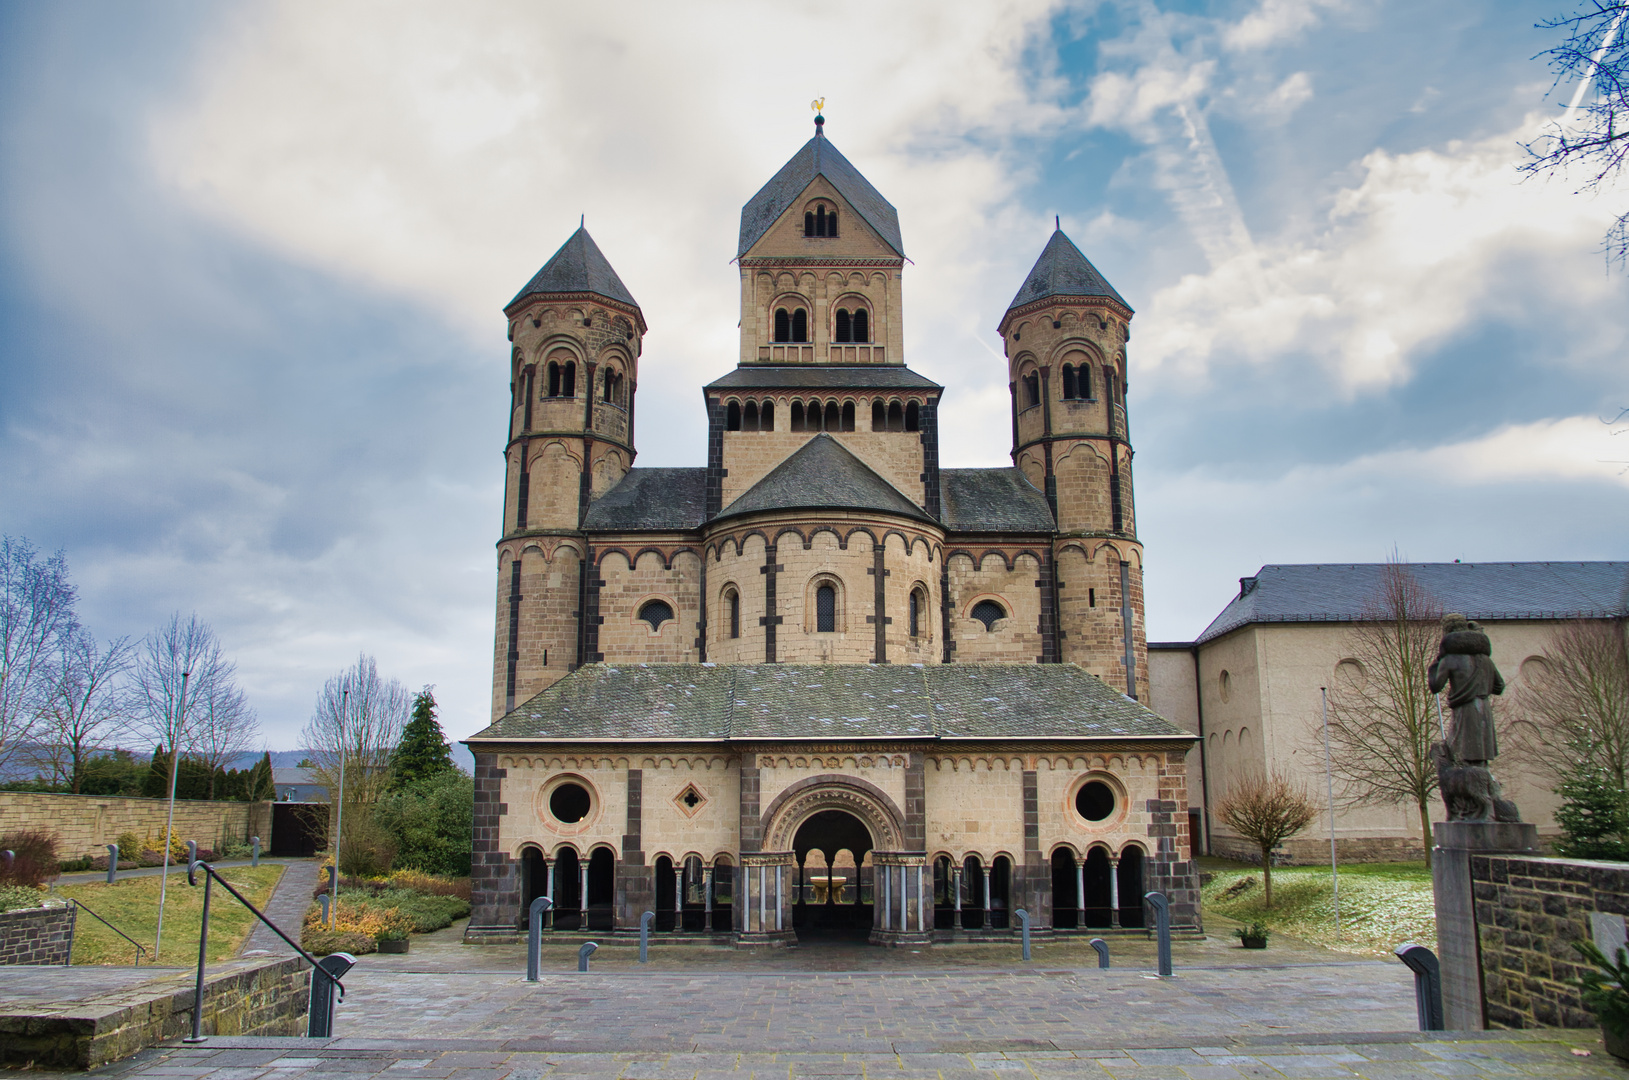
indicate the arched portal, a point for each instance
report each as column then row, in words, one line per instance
column 568, row 892
column 534, row 882
column 1131, row 887
column 1065, row 906
column 831, row 848
column 1098, row 889
column 601, row 897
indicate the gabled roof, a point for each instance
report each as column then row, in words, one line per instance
column 1063, row 271
column 725, row 702
column 578, row 267
column 652, row 500
column 992, row 500
column 823, row 475
column 818, row 158
column 1343, row 592
column 823, row 377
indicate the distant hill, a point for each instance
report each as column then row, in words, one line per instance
column 281, row 759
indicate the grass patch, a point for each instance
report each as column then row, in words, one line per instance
column 132, row 906
column 1382, row 904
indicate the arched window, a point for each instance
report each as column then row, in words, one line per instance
column 831, row 222
column 809, row 223
column 554, row 379
column 766, row 419
column 797, row 416
column 800, row 325
column 1032, row 390
column 896, row 416
column 987, row 612
column 732, row 416
column 879, row 416
column 568, row 380
column 655, row 612
column 820, row 221
column 845, row 326
column 833, row 418
column 1083, row 385
column 919, row 607
column 732, row 607
column 913, row 417
column 1068, row 381
column 825, row 610
column 783, row 325
column 862, row 332
column 749, row 417
column 848, row 416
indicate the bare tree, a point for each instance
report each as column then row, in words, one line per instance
column 1593, row 133
column 226, row 727
column 84, row 711
column 178, row 648
column 1573, row 709
column 36, row 613
column 1266, row 809
column 358, row 720
column 1382, row 713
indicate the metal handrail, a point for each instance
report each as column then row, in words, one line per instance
column 211, row 876
column 140, row 948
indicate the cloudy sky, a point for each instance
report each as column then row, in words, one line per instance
column 254, row 259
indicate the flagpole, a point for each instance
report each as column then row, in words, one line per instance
column 1329, row 783
column 339, row 810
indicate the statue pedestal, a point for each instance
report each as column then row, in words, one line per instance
column 1458, row 948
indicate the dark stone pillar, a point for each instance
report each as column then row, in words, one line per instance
column 1035, row 890
column 494, row 884
column 634, row 887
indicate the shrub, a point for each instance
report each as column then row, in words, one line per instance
column 322, row 942
column 79, row 865
column 18, row 897
column 1593, row 815
column 36, row 857
column 431, row 821
column 430, row 884
column 130, row 845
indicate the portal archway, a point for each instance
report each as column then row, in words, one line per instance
column 864, row 801
column 832, row 894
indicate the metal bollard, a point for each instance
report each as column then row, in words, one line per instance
column 8, row 857
column 584, row 953
column 324, row 992
column 254, row 851
column 324, row 902
column 645, row 922
column 534, row 936
column 112, row 863
column 1102, row 948
column 1023, row 918
column 1162, row 927
column 1427, row 983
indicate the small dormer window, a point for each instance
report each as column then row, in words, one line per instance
column 820, row 222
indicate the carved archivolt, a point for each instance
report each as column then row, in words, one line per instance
column 835, row 761
column 799, row 803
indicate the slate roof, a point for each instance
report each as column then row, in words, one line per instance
column 652, row 500
column 1063, row 271
column 822, row 475
column 578, row 267
column 817, row 158
column 992, row 500
column 824, row 377
column 725, row 702
column 1340, row 592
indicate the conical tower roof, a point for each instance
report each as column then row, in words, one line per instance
column 578, row 267
column 1063, row 271
column 818, row 158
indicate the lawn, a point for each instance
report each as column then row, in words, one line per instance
column 1382, row 905
column 132, row 906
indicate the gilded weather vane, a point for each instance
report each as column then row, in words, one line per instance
column 818, row 104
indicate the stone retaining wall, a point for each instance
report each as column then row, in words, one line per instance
column 241, row 997
column 85, row 824
column 1529, row 911
column 37, row 936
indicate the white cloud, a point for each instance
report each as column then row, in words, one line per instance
column 1274, row 22
column 1409, row 256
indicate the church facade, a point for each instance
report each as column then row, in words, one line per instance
column 823, row 683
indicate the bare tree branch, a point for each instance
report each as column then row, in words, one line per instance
column 1573, row 706
column 36, row 613
column 1266, row 810
column 85, row 710
column 358, row 719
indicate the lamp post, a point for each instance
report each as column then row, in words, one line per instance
column 169, row 822
column 339, row 809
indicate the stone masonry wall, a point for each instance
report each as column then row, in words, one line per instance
column 85, row 824
column 1529, row 911
column 37, row 936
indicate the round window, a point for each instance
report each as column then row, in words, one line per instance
column 1095, row 800
column 569, row 803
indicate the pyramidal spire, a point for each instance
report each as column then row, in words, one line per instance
column 1063, row 271
column 578, row 267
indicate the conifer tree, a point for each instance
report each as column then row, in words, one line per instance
column 260, row 786
column 423, row 751
column 156, row 784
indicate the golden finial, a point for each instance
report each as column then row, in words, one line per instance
column 818, row 104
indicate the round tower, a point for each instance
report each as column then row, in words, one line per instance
column 1065, row 337
column 575, row 334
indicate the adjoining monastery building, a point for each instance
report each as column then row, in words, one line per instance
column 823, row 683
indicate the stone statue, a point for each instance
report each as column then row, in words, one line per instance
column 1465, row 666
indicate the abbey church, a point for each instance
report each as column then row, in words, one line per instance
column 823, row 685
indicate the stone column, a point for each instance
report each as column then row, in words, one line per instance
column 678, row 897
column 766, row 919
column 1080, row 894
column 1114, row 891
column 986, row 879
column 902, row 915
column 582, row 896
column 956, row 883
column 1458, row 946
